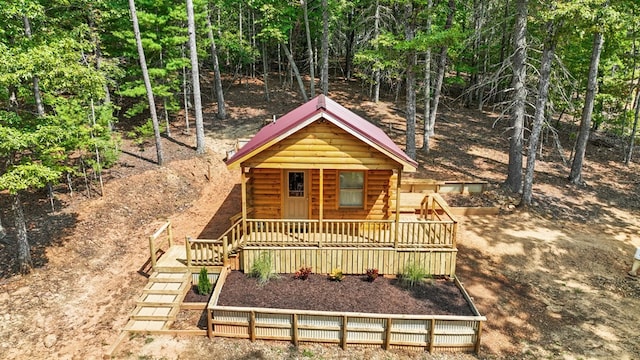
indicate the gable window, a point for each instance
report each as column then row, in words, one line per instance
column 351, row 189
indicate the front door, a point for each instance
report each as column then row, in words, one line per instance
column 296, row 195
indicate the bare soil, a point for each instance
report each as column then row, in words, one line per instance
column 352, row 294
column 551, row 279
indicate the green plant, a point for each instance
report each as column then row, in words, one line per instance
column 143, row 133
column 307, row 353
column 261, row 269
column 303, row 273
column 413, row 274
column 204, row 285
column 372, row 274
column 336, row 275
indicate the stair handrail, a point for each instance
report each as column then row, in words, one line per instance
column 237, row 240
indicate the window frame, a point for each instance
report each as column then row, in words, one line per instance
column 361, row 189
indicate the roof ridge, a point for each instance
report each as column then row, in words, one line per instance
column 322, row 103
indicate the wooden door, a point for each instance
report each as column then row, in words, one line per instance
column 296, row 194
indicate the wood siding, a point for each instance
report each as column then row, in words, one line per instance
column 264, row 188
column 321, row 145
column 378, row 191
column 265, row 195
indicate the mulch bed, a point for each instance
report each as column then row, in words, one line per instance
column 353, row 294
column 193, row 296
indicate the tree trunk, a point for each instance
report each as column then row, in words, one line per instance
column 265, row 70
column 185, row 96
column 351, row 33
column 325, row 48
column 632, row 139
column 427, row 126
column 195, row 79
column 514, row 171
column 575, row 176
column 37, row 95
column 222, row 111
column 25, row 264
column 309, row 49
column 147, row 82
column 294, row 68
column 376, row 74
column 442, row 64
column 3, row 231
column 411, row 82
column 538, row 118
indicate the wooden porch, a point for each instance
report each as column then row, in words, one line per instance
column 427, row 238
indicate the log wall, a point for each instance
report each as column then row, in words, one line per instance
column 321, row 144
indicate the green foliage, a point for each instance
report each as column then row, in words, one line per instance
column 204, row 285
column 413, row 274
column 143, row 133
column 336, row 275
column 262, row 269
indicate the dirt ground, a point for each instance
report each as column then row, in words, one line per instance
column 551, row 280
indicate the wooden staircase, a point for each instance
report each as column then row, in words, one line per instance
column 159, row 304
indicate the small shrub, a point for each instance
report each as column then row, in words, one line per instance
column 303, row 273
column 204, row 285
column 262, row 269
column 336, row 275
column 372, row 274
column 413, row 274
column 143, row 133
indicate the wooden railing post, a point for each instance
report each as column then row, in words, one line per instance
column 187, row 247
column 210, row 323
column 294, row 326
column 225, row 250
column 476, row 347
column 252, row 326
column 432, row 336
column 387, row 334
column 152, row 249
column 169, row 233
column 343, row 340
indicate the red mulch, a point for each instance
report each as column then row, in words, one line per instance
column 353, row 294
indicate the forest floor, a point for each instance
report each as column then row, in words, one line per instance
column 550, row 279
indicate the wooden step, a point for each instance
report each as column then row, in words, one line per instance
column 166, row 287
column 146, row 326
column 164, row 313
column 159, row 300
column 169, row 275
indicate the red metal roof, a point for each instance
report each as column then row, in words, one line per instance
column 298, row 118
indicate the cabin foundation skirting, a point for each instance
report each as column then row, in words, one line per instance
column 437, row 261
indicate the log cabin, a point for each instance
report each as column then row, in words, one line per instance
column 321, row 187
column 321, row 161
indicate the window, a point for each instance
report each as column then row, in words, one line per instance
column 296, row 184
column 351, row 189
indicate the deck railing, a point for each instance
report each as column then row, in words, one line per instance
column 210, row 252
column 352, row 233
column 436, row 227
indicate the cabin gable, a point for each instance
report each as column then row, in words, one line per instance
column 322, row 144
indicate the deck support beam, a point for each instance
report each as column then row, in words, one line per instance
column 397, row 232
column 321, row 205
column 243, row 185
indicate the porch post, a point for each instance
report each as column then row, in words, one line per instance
column 397, row 232
column 243, row 185
column 321, row 207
